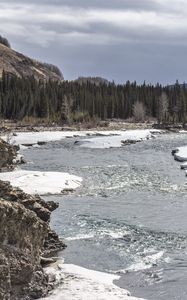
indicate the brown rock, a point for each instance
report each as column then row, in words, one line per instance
column 7, row 153
column 22, row 235
column 25, row 236
column 19, row 65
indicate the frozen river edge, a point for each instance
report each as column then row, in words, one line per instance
column 98, row 285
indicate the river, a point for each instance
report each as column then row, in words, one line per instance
column 129, row 217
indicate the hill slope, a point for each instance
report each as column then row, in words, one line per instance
column 22, row 66
column 93, row 80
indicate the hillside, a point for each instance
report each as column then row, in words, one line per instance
column 93, row 80
column 22, row 66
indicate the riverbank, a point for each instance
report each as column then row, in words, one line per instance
column 39, row 125
column 98, row 139
column 27, row 241
column 8, row 156
column 127, row 218
column 9, row 126
column 25, row 237
column 109, row 174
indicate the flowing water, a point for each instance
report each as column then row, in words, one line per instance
column 129, row 217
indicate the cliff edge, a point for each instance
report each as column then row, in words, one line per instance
column 25, row 237
column 17, row 64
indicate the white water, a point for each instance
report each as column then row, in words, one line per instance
column 100, row 246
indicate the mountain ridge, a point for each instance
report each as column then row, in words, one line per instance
column 17, row 64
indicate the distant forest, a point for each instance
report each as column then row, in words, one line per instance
column 68, row 102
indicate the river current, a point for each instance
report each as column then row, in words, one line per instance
column 129, row 217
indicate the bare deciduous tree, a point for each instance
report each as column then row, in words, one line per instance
column 163, row 105
column 139, row 111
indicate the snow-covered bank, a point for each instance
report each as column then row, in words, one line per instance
column 180, row 153
column 32, row 138
column 42, row 183
column 102, row 139
column 83, row 284
column 119, row 140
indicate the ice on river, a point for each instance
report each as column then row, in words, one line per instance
column 181, row 153
column 82, row 284
column 102, row 139
column 119, row 140
column 184, row 165
column 42, row 183
column 32, row 138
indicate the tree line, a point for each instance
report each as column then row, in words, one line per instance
column 70, row 101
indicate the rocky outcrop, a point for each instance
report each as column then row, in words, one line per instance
column 21, row 236
column 25, row 237
column 20, row 65
column 8, row 154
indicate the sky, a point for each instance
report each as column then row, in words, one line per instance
column 119, row 40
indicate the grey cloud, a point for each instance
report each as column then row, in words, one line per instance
column 152, row 63
column 110, row 4
column 149, row 45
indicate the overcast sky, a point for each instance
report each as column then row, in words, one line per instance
column 117, row 39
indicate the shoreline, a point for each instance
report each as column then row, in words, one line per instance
column 25, row 238
column 8, row 126
column 51, row 285
column 36, row 212
column 83, row 284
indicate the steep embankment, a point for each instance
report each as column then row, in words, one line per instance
column 20, row 65
column 25, row 236
column 8, row 154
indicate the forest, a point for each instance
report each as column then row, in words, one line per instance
column 72, row 101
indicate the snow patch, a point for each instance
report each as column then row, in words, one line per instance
column 33, row 138
column 184, row 165
column 103, row 139
column 180, row 153
column 83, row 284
column 42, row 183
column 182, row 131
column 105, row 142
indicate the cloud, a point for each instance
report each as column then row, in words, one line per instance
column 79, row 24
column 112, row 26
column 110, row 4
